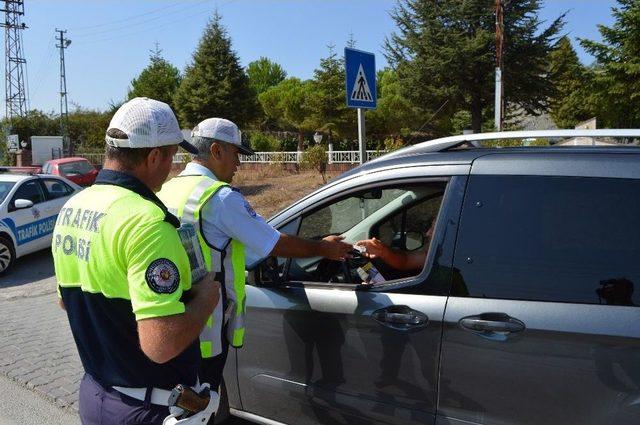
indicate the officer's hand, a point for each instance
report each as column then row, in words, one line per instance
column 210, row 286
column 335, row 249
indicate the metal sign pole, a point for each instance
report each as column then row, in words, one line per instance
column 362, row 140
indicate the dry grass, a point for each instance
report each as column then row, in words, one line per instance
column 271, row 189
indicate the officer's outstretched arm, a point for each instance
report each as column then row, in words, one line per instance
column 163, row 338
column 330, row 247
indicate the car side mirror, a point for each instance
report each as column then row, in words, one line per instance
column 20, row 204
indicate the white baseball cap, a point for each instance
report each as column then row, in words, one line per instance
column 223, row 130
column 147, row 123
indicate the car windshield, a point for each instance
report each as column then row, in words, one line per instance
column 75, row 168
column 5, row 188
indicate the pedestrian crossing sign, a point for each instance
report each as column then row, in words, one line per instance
column 361, row 78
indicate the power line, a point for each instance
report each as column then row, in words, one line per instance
column 171, row 22
column 110, row 23
column 142, row 22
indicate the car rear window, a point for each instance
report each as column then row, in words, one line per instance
column 5, row 188
column 75, row 168
column 562, row 239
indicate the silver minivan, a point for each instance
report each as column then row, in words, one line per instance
column 524, row 312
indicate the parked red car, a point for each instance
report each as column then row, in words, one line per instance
column 78, row 170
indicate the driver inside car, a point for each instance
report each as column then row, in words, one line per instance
column 396, row 258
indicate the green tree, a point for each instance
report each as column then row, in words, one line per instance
column 159, row 80
column 327, row 105
column 570, row 103
column 214, row 84
column 87, row 129
column 264, row 74
column 34, row 123
column 616, row 76
column 286, row 104
column 444, row 51
column 395, row 114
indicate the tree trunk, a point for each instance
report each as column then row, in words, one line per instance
column 300, row 141
column 476, row 114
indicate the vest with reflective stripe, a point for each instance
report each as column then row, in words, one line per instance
column 185, row 196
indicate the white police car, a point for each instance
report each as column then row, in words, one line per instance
column 29, row 206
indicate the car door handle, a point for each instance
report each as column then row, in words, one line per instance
column 400, row 317
column 494, row 326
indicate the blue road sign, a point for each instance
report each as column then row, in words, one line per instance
column 361, row 78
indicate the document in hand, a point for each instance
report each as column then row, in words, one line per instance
column 189, row 239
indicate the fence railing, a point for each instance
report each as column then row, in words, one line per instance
column 333, row 157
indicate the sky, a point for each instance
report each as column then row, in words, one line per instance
column 111, row 39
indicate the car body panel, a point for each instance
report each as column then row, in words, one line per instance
column 30, row 229
column 314, row 353
column 57, row 167
column 318, row 342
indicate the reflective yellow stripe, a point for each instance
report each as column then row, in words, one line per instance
column 187, row 195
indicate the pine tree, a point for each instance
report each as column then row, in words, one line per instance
column 328, row 106
column 214, row 84
column 159, row 80
column 616, row 77
column 569, row 103
column 263, row 74
column 286, row 104
column 444, row 51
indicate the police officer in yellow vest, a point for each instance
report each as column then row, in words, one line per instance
column 125, row 279
column 229, row 231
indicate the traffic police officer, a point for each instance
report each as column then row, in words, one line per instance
column 230, row 231
column 124, row 277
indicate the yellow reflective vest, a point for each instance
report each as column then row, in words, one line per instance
column 185, row 196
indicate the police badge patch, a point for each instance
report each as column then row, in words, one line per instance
column 163, row 276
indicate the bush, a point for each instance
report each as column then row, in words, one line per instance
column 315, row 158
column 393, row 144
column 261, row 142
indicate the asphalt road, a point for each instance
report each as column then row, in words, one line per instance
column 40, row 369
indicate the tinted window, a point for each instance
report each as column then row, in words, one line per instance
column 551, row 239
column 5, row 188
column 31, row 191
column 342, row 215
column 406, row 230
column 56, row 188
column 75, row 168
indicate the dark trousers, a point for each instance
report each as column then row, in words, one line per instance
column 99, row 406
column 211, row 371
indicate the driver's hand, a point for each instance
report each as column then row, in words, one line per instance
column 374, row 247
column 335, row 249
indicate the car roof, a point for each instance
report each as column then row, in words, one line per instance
column 465, row 149
column 14, row 177
column 65, row 160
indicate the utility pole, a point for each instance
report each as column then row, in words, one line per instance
column 499, row 104
column 14, row 60
column 64, row 108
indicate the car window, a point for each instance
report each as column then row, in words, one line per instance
column 56, row 188
column 29, row 190
column 5, row 188
column 75, row 168
column 402, row 213
column 342, row 215
column 405, row 230
column 551, row 239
